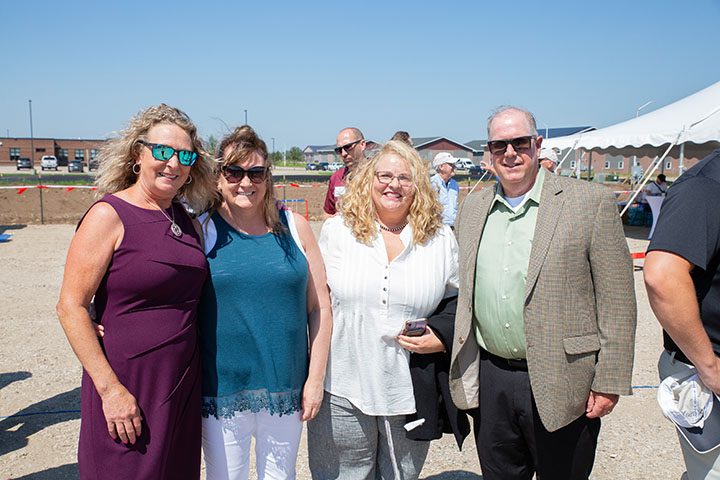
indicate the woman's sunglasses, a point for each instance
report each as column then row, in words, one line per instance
column 235, row 174
column 164, row 153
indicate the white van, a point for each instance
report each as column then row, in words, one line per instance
column 463, row 164
column 48, row 162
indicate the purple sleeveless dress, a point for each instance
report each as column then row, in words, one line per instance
column 147, row 302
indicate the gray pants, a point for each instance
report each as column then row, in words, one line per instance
column 344, row 443
column 705, row 466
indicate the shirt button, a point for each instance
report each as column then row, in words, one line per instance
column 385, row 278
column 384, row 289
column 514, row 350
column 507, row 325
column 504, row 297
column 510, row 242
column 384, row 302
column 506, row 269
column 461, row 340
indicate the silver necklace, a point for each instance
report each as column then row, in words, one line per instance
column 176, row 230
column 393, row 229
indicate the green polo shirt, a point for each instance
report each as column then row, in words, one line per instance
column 501, row 271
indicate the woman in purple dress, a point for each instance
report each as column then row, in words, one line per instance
column 137, row 251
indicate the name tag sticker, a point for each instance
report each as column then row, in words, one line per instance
column 339, row 191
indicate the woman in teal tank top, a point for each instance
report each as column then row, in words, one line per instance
column 265, row 320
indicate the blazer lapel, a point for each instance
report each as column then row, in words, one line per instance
column 470, row 241
column 551, row 202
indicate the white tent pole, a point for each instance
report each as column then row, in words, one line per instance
column 568, row 153
column 681, row 166
column 642, row 184
column 482, row 177
column 646, row 174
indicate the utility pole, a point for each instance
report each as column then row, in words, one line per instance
column 246, row 117
column 32, row 161
column 32, row 140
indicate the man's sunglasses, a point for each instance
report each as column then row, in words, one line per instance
column 347, row 147
column 164, row 153
column 498, row 147
column 235, row 174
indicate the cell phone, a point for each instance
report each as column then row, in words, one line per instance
column 414, row 328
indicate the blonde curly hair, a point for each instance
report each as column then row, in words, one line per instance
column 358, row 209
column 117, row 157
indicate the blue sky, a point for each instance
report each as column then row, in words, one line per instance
column 303, row 70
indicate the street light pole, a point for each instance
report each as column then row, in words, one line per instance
column 637, row 114
column 246, row 117
column 32, row 139
column 32, row 161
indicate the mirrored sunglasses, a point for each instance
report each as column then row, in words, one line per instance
column 164, row 153
column 347, row 147
column 498, row 147
column 235, row 174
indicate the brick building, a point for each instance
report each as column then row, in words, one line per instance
column 428, row 147
column 65, row 149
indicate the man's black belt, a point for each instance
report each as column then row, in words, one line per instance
column 505, row 363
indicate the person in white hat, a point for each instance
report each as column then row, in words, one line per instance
column 548, row 159
column 446, row 186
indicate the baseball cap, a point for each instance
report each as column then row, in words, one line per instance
column 548, row 153
column 443, row 157
column 693, row 408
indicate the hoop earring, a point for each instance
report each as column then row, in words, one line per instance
column 189, row 180
column 136, row 172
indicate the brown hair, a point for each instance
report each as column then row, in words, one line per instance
column 403, row 136
column 241, row 143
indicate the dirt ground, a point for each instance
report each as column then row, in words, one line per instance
column 40, row 376
column 67, row 204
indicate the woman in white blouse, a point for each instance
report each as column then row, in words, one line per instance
column 389, row 259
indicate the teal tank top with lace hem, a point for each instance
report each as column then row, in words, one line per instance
column 253, row 323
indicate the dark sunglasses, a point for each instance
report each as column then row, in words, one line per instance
column 498, row 147
column 347, row 147
column 164, row 153
column 235, row 174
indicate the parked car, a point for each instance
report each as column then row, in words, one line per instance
column 322, row 166
column 48, row 162
column 335, row 166
column 463, row 164
column 311, row 166
column 476, row 171
column 93, row 165
column 24, row 162
column 75, row 166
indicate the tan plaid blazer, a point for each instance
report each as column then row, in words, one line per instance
column 580, row 311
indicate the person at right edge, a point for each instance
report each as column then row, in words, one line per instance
column 545, row 324
column 683, row 284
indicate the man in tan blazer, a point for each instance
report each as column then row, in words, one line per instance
column 545, row 325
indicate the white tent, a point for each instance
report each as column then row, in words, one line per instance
column 690, row 126
column 693, row 121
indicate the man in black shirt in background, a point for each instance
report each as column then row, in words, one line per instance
column 683, row 283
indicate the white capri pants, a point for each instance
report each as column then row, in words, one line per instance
column 226, row 445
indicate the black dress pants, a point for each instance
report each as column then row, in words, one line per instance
column 511, row 440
